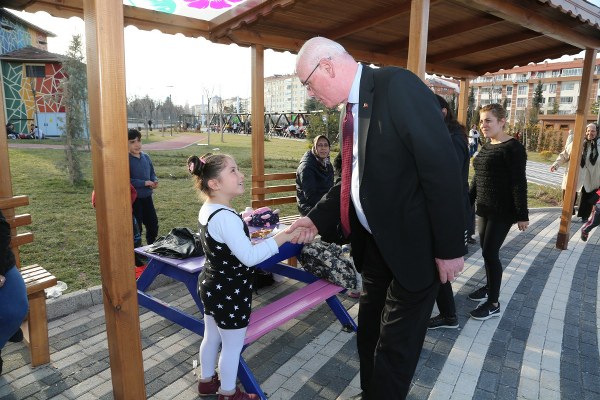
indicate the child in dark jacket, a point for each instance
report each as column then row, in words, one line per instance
column 144, row 180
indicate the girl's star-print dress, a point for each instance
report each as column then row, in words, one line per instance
column 225, row 284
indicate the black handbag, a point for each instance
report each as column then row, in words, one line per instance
column 179, row 243
column 331, row 262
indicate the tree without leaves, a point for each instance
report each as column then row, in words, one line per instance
column 74, row 95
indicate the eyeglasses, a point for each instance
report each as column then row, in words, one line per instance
column 305, row 83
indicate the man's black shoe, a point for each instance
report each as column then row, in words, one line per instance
column 442, row 322
column 17, row 337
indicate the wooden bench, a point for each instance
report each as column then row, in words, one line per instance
column 262, row 319
column 260, row 191
column 35, row 327
column 35, row 331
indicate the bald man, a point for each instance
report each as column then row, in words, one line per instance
column 404, row 217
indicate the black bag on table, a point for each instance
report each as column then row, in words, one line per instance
column 179, row 243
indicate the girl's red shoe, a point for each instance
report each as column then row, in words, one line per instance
column 211, row 387
column 238, row 395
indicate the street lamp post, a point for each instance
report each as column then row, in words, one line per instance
column 171, row 113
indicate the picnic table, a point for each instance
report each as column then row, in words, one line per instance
column 263, row 319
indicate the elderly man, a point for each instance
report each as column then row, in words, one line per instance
column 399, row 203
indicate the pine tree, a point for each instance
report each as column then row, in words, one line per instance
column 74, row 95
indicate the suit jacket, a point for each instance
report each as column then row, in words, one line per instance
column 410, row 181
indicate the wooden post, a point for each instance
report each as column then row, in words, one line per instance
column 463, row 102
column 5, row 178
column 258, row 120
column 583, row 105
column 417, row 44
column 105, row 52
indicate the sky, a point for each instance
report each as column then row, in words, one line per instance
column 160, row 64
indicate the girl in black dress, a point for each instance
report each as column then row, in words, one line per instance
column 225, row 284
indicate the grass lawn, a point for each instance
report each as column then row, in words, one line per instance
column 64, row 223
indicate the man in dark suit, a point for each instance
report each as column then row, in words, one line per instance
column 405, row 210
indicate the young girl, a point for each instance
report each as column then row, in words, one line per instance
column 225, row 284
column 499, row 190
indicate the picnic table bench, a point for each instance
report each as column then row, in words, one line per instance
column 263, row 319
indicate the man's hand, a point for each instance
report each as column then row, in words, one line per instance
column 308, row 233
column 449, row 269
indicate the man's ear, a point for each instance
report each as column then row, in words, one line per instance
column 328, row 66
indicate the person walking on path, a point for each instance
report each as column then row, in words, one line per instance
column 499, row 190
column 590, row 172
column 473, row 140
column 399, row 202
column 144, row 180
column 225, row 283
column 563, row 159
column 445, row 298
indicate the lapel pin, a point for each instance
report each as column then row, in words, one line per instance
column 365, row 105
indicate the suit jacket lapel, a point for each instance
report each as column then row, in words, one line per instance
column 365, row 101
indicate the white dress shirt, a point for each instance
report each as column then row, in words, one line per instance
column 353, row 98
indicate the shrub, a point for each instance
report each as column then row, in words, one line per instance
column 547, row 155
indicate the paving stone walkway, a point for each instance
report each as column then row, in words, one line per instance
column 544, row 346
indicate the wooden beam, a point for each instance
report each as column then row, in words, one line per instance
column 368, row 21
column 257, row 65
column 583, row 105
column 484, row 45
column 417, row 47
column 245, row 13
column 57, row 8
column 13, row 201
column 463, row 102
column 523, row 59
column 6, row 191
column 455, row 28
column 528, row 17
column 105, row 54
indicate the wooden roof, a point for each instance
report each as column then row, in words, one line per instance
column 466, row 38
column 32, row 54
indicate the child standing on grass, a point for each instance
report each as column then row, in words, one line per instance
column 225, row 284
column 594, row 219
column 144, row 180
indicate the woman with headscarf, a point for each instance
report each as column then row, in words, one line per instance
column 589, row 173
column 314, row 176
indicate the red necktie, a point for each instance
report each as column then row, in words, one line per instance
column 347, row 138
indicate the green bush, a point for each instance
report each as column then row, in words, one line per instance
column 547, row 155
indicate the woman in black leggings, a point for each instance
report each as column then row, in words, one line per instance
column 499, row 190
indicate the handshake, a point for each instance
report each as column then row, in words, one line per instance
column 302, row 231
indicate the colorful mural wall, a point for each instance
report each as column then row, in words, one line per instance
column 14, row 35
column 29, row 100
column 24, row 96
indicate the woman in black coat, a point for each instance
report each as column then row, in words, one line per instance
column 445, row 298
column 314, row 176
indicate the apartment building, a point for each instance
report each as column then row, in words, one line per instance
column 284, row 94
column 560, row 90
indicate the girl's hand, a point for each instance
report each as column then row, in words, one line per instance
column 522, row 225
column 2, row 280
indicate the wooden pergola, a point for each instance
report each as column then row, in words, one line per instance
column 458, row 38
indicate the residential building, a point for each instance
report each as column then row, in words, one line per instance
column 284, row 94
column 560, row 90
column 30, row 76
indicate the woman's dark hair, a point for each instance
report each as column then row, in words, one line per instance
column 451, row 123
column 205, row 168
